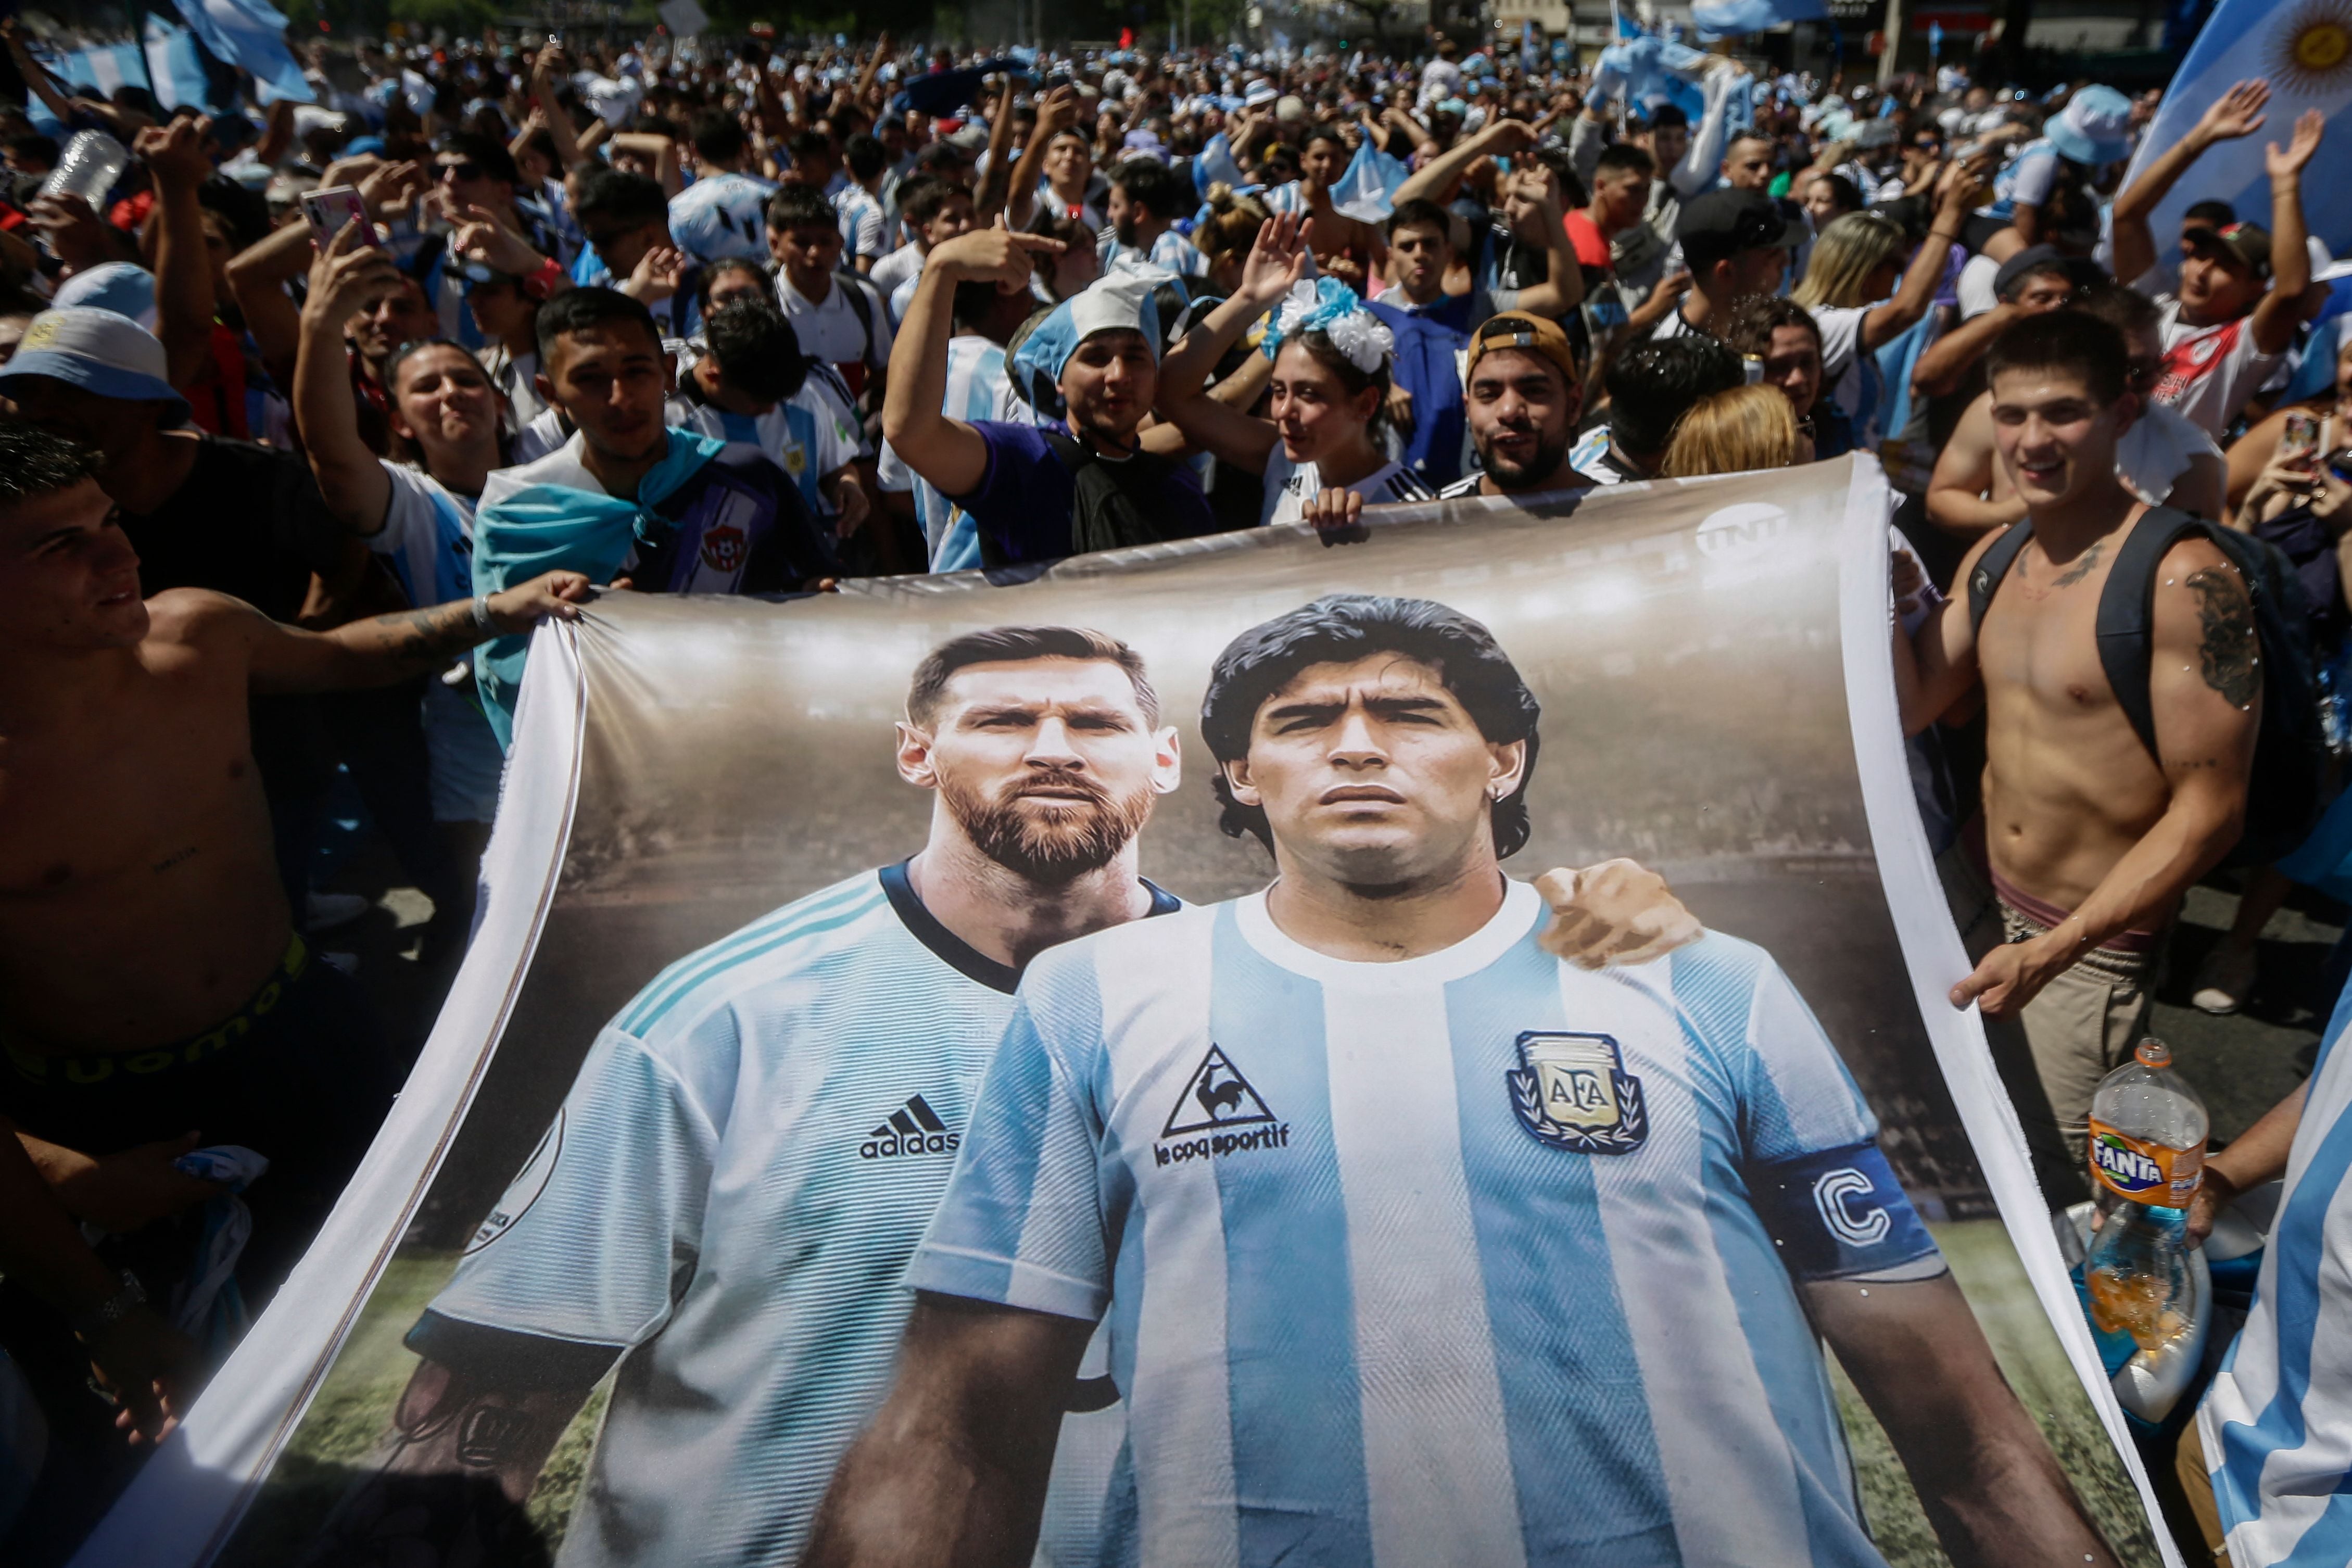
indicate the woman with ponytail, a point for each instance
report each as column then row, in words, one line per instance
column 1331, row 359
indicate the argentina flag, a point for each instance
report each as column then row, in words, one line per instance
column 1367, row 189
column 174, row 66
column 251, row 34
column 2303, row 50
column 1721, row 18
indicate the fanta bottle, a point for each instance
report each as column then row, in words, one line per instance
column 2147, row 1154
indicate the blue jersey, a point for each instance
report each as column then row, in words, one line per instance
column 725, row 1205
column 2273, row 1424
column 1476, row 1259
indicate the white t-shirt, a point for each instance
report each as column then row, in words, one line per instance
column 1974, row 286
column 1289, row 487
column 832, row 331
column 2158, row 449
column 898, row 266
column 2207, row 372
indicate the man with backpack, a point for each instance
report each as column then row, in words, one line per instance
column 1032, row 493
column 2124, row 665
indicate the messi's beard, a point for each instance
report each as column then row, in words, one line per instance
column 1053, row 849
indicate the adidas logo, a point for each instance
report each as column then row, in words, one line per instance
column 913, row 1128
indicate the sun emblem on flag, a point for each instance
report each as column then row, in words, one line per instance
column 2313, row 53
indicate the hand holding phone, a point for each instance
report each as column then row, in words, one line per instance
column 328, row 210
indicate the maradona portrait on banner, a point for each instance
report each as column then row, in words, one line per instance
column 1414, row 1244
column 727, row 1201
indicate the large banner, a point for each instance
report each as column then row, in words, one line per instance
column 1273, row 1233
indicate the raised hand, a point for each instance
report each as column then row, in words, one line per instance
column 1057, row 111
column 386, row 188
column 1277, row 260
column 2237, row 113
column 2309, row 126
column 481, row 238
column 1337, row 516
column 344, row 274
column 655, row 277
column 998, row 254
column 175, row 153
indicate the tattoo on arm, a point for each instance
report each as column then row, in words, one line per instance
column 422, row 637
column 2230, row 652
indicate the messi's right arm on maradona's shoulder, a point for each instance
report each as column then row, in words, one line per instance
column 447, row 1483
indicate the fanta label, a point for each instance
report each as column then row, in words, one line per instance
column 2144, row 1173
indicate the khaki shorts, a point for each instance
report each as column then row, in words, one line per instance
column 2077, row 1029
column 2197, row 1485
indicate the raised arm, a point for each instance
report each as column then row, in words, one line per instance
column 996, row 185
column 1562, row 289
column 1056, row 113
column 559, row 123
column 2205, row 688
column 1696, row 171
column 2237, row 113
column 1943, row 363
column 1276, row 260
column 1504, row 138
column 947, row 452
column 37, row 76
column 184, row 277
column 1959, row 496
column 1956, row 193
column 953, row 1468
column 2280, row 311
column 356, row 487
column 1986, row 1477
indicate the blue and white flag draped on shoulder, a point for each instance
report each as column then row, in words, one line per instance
column 250, row 34
column 1721, row 18
column 2303, row 48
column 554, row 528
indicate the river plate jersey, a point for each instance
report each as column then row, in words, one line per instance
column 726, row 1205
column 1476, row 1259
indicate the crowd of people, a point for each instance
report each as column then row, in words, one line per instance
column 285, row 485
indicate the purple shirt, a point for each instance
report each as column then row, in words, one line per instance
column 1022, row 504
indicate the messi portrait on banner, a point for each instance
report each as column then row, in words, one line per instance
column 1216, row 1068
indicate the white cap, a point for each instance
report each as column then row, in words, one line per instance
column 98, row 351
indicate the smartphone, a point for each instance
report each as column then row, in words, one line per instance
column 328, row 210
column 2301, row 441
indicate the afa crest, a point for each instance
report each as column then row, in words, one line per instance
column 724, row 548
column 1572, row 1092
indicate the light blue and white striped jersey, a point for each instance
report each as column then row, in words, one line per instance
column 809, row 435
column 2026, row 180
column 978, row 389
column 2277, row 1424
column 1172, row 250
column 1475, row 1258
column 725, row 1205
column 860, row 216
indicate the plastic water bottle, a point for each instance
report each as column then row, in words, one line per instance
column 87, row 168
column 2148, row 1149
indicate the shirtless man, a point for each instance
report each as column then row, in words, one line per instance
column 152, row 991
column 2091, row 840
column 2163, row 459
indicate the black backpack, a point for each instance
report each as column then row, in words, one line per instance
column 2289, row 788
column 1118, row 504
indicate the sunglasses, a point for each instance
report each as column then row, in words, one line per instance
column 467, row 170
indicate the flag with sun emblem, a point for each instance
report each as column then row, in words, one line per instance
column 2303, row 50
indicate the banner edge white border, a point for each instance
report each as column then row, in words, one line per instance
column 1932, row 948
column 185, row 1506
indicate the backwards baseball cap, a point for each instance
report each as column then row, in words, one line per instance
column 101, row 353
column 2095, row 127
column 1527, row 333
column 1719, row 225
column 2032, row 258
column 2248, row 244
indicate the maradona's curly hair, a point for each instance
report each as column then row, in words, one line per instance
column 1341, row 628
